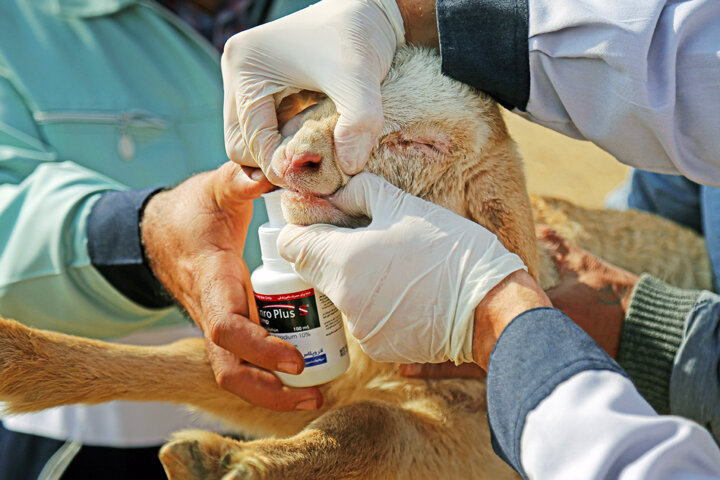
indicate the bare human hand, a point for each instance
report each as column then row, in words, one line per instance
column 592, row 292
column 194, row 236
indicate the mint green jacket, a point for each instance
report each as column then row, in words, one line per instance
column 95, row 95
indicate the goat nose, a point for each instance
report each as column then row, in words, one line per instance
column 301, row 161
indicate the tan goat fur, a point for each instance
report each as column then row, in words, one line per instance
column 442, row 141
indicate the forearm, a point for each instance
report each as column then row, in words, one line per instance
column 640, row 80
column 517, row 293
column 546, row 375
column 601, row 424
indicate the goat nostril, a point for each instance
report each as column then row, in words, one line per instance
column 305, row 160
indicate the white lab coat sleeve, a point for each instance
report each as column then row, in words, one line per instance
column 560, row 408
column 595, row 425
column 641, row 79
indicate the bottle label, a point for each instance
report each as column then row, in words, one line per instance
column 312, row 324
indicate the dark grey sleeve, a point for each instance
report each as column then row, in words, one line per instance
column 115, row 247
column 670, row 347
column 484, row 43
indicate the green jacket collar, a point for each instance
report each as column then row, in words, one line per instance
column 84, row 8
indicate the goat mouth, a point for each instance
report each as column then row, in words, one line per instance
column 297, row 196
column 305, row 198
column 303, row 208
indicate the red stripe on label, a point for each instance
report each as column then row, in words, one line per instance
column 285, row 296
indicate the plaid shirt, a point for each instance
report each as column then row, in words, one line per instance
column 231, row 17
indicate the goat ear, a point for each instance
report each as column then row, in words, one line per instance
column 430, row 143
column 499, row 202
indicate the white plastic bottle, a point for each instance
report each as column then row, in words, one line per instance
column 291, row 309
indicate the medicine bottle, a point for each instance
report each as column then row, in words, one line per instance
column 291, row 309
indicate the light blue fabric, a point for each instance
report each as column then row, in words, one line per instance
column 285, row 7
column 95, row 95
column 695, row 380
column 683, row 201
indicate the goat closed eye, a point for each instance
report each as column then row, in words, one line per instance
column 433, row 146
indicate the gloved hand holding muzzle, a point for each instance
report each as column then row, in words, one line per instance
column 410, row 281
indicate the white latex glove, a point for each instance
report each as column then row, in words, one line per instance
column 342, row 48
column 410, row 281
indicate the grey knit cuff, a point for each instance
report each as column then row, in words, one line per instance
column 651, row 336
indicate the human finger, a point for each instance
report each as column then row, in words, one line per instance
column 255, row 174
column 308, row 248
column 252, row 343
column 257, row 386
column 251, row 125
column 259, row 126
column 235, row 146
column 365, row 194
column 559, row 249
column 359, row 124
column 238, row 183
column 226, row 322
column 557, row 245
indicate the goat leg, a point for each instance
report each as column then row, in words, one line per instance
column 42, row 369
column 365, row 440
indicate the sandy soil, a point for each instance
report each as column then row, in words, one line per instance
column 559, row 166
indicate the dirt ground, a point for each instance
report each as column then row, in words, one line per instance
column 559, row 166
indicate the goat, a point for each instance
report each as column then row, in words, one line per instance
column 443, row 141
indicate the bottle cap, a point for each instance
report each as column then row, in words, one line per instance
column 268, row 232
column 268, row 236
column 274, row 207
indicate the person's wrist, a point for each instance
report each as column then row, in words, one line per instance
column 154, row 216
column 515, row 294
column 420, row 22
column 610, row 303
column 183, row 227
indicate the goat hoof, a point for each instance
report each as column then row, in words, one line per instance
column 198, row 455
column 182, row 460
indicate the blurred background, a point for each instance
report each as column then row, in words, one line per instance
column 562, row 167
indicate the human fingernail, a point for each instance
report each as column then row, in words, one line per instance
column 257, row 175
column 288, row 367
column 309, row 404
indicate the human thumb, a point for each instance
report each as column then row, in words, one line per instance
column 233, row 185
column 367, row 195
column 311, row 249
